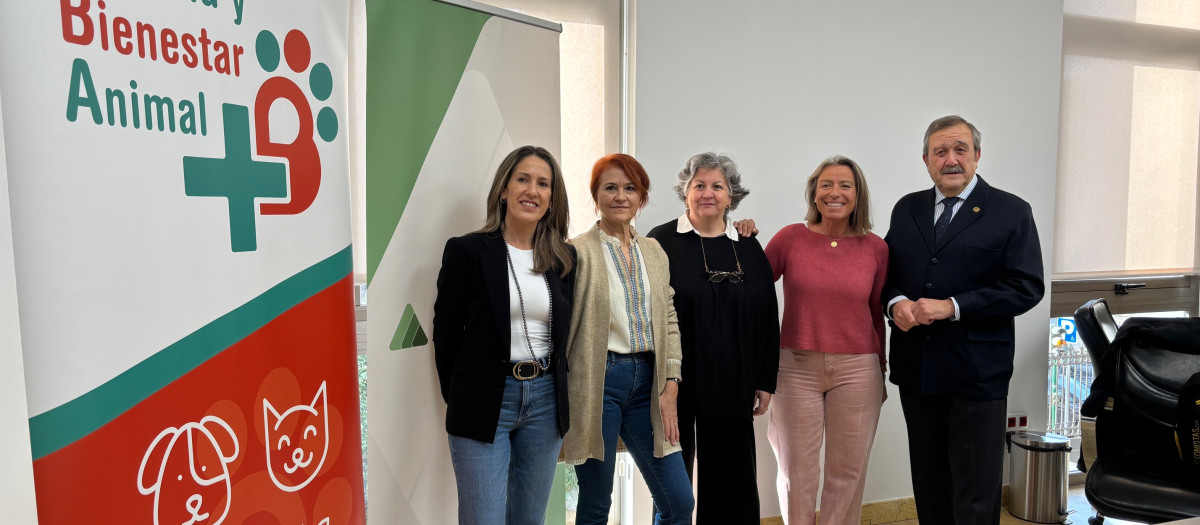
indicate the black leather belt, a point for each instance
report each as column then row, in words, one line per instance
column 530, row 369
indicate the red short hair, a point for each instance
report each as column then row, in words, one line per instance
column 631, row 167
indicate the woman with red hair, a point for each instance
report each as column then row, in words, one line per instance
column 623, row 354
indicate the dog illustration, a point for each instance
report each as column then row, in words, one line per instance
column 187, row 470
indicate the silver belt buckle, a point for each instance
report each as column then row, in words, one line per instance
column 525, row 370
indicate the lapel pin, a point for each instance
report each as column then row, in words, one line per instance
column 975, row 209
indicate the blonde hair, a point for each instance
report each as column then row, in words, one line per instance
column 860, row 218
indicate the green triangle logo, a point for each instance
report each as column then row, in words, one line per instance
column 409, row 332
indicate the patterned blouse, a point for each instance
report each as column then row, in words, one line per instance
column 629, row 329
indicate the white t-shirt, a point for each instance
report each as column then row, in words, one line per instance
column 537, row 308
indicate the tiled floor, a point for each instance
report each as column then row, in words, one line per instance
column 1077, row 506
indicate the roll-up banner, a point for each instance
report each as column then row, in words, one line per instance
column 16, row 484
column 451, row 90
column 177, row 171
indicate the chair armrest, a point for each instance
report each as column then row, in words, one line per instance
column 1087, row 445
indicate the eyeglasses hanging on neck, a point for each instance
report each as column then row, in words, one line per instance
column 718, row 276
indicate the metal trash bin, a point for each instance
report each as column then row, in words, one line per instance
column 1037, row 476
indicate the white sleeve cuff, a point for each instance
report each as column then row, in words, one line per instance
column 887, row 309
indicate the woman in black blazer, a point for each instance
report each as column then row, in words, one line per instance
column 499, row 333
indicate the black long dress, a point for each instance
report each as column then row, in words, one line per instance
column 730, row 337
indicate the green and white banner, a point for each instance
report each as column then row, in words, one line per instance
column 450, row 92
column 180, row 227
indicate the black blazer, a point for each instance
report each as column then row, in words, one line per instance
column 471, row 334
column 990, row 262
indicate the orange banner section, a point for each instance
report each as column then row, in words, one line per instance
column 266, row 432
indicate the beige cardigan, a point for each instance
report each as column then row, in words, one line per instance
column 587, row 344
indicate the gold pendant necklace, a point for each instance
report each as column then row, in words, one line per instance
column 832, row 240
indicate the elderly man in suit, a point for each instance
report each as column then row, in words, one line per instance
column 965, row 260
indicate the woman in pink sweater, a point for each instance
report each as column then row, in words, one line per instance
column 832, row 361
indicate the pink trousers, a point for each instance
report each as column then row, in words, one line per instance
column 818, row 395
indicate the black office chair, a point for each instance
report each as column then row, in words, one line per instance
column 1137, row 474
column 1096, row 327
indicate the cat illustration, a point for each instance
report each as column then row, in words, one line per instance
column 297, row 442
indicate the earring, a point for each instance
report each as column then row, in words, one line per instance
column 549, row 209
column 502, row 200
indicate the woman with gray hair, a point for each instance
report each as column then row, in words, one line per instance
column 729, row 330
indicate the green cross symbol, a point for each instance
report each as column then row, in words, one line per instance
column 237, row 177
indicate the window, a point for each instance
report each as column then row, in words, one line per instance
column 1071, row 372
column 1126, row 207
column 1128, row 135
column 592, row 76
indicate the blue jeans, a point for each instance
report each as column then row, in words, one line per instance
column 628, row 385
column 519, row 462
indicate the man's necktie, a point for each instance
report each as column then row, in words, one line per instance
column 943, row 221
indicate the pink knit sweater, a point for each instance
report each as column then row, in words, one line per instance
column 830, row 294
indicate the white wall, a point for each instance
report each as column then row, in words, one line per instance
column 780, row 85
column 16, row 468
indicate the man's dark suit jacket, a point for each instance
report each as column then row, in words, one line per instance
column 990, row 261
column 471, row 334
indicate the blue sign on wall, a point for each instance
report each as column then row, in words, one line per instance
column 1068, row 326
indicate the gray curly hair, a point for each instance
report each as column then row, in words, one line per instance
column 711, row 160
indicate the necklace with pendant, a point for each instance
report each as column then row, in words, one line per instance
column 833, row 241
